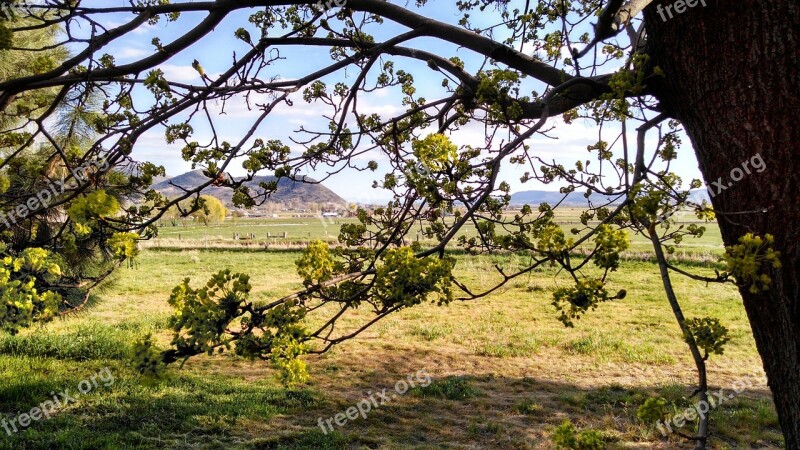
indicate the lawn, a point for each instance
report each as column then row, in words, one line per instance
column 504, row 373
column 292, row 232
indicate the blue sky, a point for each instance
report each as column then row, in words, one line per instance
column 565, row 144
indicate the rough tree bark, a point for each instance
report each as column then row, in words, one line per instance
column 733, row 79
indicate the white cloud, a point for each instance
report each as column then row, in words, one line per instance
column 173, row 72
column 385, row 111
column 131, row 53
column 142, row 29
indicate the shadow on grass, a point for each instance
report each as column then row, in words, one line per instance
column 184, row 412
column 197, row 409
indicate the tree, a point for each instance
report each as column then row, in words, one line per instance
column 726, row 72
column 212, row 210
column 50, row 266
column 204, row 208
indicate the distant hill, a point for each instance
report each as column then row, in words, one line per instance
column 289, row 192
column 534, row 198
column 698, row 195
column 577, row 198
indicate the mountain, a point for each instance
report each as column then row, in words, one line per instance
column 534, row 198
column 289, row 192
column 699, row 195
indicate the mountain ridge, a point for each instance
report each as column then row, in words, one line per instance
column 535, row 197
column 288, row 192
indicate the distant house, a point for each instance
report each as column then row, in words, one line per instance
column 330, row 214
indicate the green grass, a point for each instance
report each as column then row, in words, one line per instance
column 529, row 407
column 299, row 230
column 450, row 388
column 187, row 411
column 431, row 332
column 517, row 346
column 295, row 228
column 505, row 373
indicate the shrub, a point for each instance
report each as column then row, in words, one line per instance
column 566, row 436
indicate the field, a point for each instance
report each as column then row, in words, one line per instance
column 504, row 373
column 296, row 230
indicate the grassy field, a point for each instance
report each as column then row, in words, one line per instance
column 504, row 372
column 281, row 231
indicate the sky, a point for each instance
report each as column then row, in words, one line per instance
column 564, row 144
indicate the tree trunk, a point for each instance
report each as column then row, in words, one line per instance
column 732, row 77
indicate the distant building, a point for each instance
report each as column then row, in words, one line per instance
column 330, row 214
